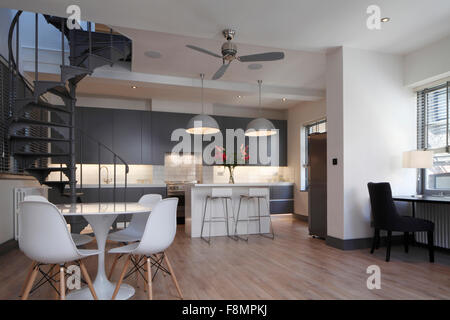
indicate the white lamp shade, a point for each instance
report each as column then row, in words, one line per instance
column 418, row 159
column 202, row 124
column 260, row 127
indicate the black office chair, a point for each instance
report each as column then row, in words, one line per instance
column 386, row 217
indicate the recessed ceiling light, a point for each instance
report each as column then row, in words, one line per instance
column 134, row 87
column 283, row 99
column 385, row 19
column 153, row 54
column 255, row 66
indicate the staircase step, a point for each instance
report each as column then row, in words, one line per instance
column 43, row 139
column 55, row 87
column 28, row 103
column 28, row 121
column 40, row 154
column 42, row 173
column 73, row 73
column 92, row 61
column 60, row 185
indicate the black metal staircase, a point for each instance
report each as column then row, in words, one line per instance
column 55, row 131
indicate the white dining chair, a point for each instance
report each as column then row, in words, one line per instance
column 135, row 229
column 79, row 239
column 159, row 234
column 45, row 239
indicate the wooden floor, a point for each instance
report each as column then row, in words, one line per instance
column 293, row 266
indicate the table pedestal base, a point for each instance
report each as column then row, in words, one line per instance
column 125, row 292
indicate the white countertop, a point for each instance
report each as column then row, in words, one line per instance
column 132, row 185
column 248, row 184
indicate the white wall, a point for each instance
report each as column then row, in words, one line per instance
column 427, row 64
column 371, row 121
column 298, row 116
column 7, row 205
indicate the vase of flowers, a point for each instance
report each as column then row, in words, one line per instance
column 232, row 160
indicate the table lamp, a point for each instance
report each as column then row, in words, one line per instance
column 418, row 159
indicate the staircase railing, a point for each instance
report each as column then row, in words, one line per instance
column 116, row 157
column 13, row 63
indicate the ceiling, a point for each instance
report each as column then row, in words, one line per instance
column 298, row 68
column 286, row 24
column 303, row 29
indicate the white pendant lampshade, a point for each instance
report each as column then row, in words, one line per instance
column 202, row 123
column 418, row 159
column 260, row 126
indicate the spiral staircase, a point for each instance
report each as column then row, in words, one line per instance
column 41, row 132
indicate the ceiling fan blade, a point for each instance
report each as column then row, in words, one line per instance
column 204, row 51
column 219, row 73
column 268, row 56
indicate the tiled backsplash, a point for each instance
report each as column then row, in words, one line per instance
column 150, row 174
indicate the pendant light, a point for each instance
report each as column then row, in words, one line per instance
column 260, row 126
column 202, row 123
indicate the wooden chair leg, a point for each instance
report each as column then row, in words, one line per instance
column 27, row 278
column 430, row 236
column 62, row 283
column 88, row 279
column 169, row 266
column 388, row 249
column 116, row 258
column 149, row 279
column 374, row 241
column 406, row 241
column 54, row 269
column 30, row 282
column 122, row 275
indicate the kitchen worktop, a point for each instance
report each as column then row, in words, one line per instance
column 247, row 184
column 132, row 185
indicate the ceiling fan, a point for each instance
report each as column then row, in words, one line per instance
column 229, row 51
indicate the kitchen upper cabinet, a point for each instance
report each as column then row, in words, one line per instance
column 162, row 126
column 97, row 124
column 143, row 137
column 127, row 135
column 146, row 137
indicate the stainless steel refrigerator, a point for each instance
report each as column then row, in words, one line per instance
column 317, row 184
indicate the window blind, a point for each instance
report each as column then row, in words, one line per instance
column 433, row 118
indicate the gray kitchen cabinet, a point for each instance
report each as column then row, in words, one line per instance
column 162, row 126
column 143, row 137
column 146, row 139
column 281, row 199
column 127, row 135
column 97, row 123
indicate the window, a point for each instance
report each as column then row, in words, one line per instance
column 433, row 133
column 319, row 126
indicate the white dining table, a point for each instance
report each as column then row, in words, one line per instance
column 101, row 217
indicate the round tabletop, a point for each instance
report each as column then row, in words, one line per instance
column 102, row 208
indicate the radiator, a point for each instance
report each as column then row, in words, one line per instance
column 19, row 195
column 440, row 215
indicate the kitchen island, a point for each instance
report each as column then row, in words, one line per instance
column 195, row 204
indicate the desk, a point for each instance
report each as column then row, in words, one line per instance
column 422, row 199
column 101, row 216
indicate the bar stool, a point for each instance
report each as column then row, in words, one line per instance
column 222, row 194
column 254, row 194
